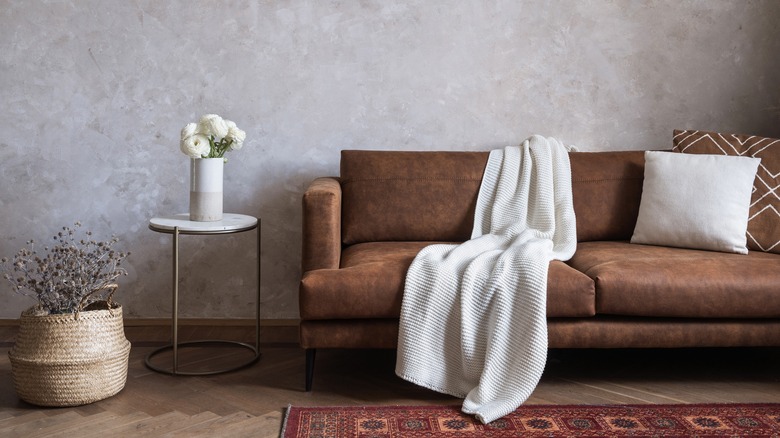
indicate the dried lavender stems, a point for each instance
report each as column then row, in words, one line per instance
column 70, row 275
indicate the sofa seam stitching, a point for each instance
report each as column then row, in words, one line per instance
column 607, row 179
column 351, row 180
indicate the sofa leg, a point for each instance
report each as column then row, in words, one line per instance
column 310, row 353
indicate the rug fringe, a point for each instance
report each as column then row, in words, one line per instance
column 284, row 422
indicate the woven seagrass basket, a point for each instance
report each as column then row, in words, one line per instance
column 70, row 359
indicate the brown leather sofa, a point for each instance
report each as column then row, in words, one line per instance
column 362, row 230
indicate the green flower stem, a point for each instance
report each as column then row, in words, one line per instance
column 218, row 148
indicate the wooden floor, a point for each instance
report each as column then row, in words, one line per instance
column 251, row 402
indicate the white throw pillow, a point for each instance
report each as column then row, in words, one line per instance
column 695, row 201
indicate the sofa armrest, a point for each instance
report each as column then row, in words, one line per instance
column 322, row 225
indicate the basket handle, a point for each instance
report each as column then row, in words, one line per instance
column 112, row 286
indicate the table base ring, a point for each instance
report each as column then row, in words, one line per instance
column 172, row 372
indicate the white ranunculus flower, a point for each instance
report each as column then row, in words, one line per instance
column 189, row 130
column 195, row 146
column 236, row 145
column 212, row 124
column 237, row 136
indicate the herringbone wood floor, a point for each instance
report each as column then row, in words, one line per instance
column 250, row 402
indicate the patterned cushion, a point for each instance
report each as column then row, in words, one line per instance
column 763, row 232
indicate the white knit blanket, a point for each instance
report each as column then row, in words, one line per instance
column 473, row 318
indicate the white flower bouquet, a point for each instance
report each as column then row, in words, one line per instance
column 211, row 137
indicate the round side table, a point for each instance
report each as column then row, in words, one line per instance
column 177, row 225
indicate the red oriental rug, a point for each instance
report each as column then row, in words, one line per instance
column 754, row 420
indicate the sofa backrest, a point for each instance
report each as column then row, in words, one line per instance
column 431, row 196
column 409, row 196
column 606, row 190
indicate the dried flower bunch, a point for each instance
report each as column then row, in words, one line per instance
column 72, row 274
column 211, row 137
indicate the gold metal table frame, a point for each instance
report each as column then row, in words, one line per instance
column 177, row 225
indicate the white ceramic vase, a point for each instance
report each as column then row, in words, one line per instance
column 206, row 189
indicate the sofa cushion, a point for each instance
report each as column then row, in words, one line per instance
column 763, row 230
column 645, row 280
column 370, row 284
column 409, row 196
column 606, row 190
column 695, row 201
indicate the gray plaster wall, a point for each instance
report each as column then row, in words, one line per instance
column 93, row 95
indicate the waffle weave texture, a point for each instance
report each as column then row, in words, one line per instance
column 473, row 318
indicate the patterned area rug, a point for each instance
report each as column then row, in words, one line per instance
column 755, row 420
